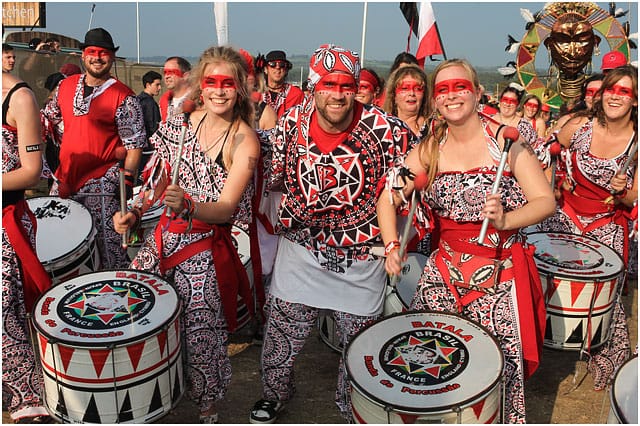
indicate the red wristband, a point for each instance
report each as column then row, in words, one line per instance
column 392, row 245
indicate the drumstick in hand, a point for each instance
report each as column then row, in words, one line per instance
column 554, row 150
column 625, row 166
column 188, row 106
column 419, row 183
column 511, row 134
column 121, row 154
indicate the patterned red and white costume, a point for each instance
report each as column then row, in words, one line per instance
column 455, row 201
column 196, row 278
column 92, row 127
column 584, row 211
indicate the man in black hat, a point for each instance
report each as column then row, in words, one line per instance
column 96, row 114
column 280, row 95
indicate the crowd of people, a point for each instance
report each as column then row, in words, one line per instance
column 318, row 177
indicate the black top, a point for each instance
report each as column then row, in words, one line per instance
column 151, row 113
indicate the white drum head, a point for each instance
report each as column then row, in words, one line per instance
column 574, row 256
column 109, row 307
column 424, row 362
column 411, row 272
column 64, row 225
column 624, row 392
column 241, row 241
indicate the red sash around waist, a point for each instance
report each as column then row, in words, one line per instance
column 230, row 272
column 529, row 295
column 35, row 279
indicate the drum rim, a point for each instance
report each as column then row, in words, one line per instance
column 567, row 275
column 395, row 290
column 462, row 404
column 614, row 403
column 86, row 240
column 123, row 342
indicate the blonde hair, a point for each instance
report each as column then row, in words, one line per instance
column 390, row 105
column 243, row 107
column 428, row 149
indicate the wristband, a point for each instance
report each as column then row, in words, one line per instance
column 136, row 212
column 621, row 194
column 392, row 245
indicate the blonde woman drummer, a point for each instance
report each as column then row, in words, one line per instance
column 461, row 160
column 193, row 247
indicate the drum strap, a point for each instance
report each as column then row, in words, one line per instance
column 230, row 272
column 35, row 279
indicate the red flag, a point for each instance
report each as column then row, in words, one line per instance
column 429, row 39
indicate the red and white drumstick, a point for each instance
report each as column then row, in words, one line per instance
column 511, row 134
column 419, row 183
column 188, row 106
column 554, row 150
column 121, row 154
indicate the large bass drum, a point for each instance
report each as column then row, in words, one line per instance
column 110, row 348
column 399, row 297
column 65, row 238
column 425, row 367
column 580, row 278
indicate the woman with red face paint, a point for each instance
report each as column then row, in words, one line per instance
column 461, row 159
column 193, row 247
column 531, row 112
column 508, row 114
column 598, row 143
column 407, row 98
column 369, row 88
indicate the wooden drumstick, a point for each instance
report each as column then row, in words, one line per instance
column 121, row 154
column 188, row 106
column 419, row 183
column 511, row 134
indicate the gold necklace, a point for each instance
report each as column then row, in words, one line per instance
column 217, row 140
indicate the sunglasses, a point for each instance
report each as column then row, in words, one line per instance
column 278, row 64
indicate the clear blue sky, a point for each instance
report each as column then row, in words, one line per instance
column 476, row 31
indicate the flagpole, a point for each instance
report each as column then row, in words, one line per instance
column 364, row 32
column 138, row 29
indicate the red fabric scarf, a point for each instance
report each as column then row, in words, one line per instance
column 530, row 298
column 35, row 279
column 230, row 272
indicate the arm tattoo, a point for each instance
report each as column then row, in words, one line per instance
column 252, row 163
column 528, row 148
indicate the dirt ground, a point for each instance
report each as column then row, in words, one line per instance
column 554, row 395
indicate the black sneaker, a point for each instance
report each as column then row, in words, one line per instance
column 265, row 412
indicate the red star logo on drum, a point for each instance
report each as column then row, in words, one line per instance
column 428, row 356
column 105, row 303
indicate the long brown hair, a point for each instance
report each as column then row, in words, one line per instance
column 429, row 146
column 610, row 79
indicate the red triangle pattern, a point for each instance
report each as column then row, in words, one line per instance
column 478, row 407
column 576, row 289
column 552, row 287
column 65, row 356
column 135, row 352
column 43, row 345
column 99, row 357
column 162, row 342
column 524, row 56
column 408, row 418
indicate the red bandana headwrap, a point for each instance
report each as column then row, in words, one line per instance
column 329, row 58
column 365, row 75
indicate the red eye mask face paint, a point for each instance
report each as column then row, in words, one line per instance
column 365, row 87
column 337, row 82
column 216, row 81
column 590, row 92
column 409, row 87
column 531, row 105
column 98, row 52
column 456, row 86
column 173, row 71
column 509, row 101
column 618, row 90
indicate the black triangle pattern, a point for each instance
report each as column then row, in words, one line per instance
column 61, row 405
column 156, row 400
column 126, row 412
column 576, row 335
column 91, row 414
column 177, row 390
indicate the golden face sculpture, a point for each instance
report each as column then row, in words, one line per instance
column 571, row 43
